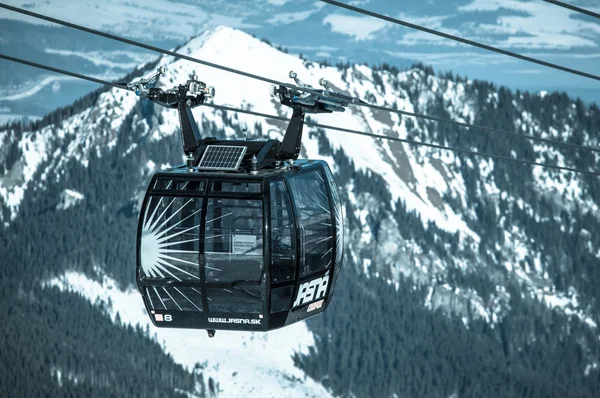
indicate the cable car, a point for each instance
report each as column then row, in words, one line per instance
column 243, row 236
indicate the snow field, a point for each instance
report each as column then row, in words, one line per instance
column 241, row 363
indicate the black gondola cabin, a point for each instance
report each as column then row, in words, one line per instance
column 239, row 252
column 244, row 236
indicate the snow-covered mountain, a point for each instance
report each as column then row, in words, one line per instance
column 509, row 252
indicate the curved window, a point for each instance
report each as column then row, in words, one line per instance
column 174, row 298
column 283, row 239
column 281, row 298
column 233, row 242
column 338, row 217
column 169, row 238
column 245, row 301
column 237, row 187
column 309, row 193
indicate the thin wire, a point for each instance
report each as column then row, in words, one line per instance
column 574, row 8
column 62, row 71
column 407, row 141
column 460, row 39
column 489, row 129
column 141, row 45
column 267, row 80
column 324, row 126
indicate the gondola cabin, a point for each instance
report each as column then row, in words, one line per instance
column 244, row 236
column 239, row 251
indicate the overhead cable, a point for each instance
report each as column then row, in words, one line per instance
column 272, row 81
column 324, row 126
column 407, row 141
column 61, row 71
column 574, row 8
column 460, row 39
column 139, row 44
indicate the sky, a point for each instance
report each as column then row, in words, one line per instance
column 325, row 32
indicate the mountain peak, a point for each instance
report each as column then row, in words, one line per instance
column 221, row 36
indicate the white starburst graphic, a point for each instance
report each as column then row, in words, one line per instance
column 339, row 227
column 160, row 257
column 339, row 219
column 164, row 229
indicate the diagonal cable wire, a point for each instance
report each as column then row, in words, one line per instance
column 574, row 8
column 407, row 141
column 460, row 39
column 272, row 81
column 324, row 126
column 488, row 129
column 141, row 45
column 62, row 71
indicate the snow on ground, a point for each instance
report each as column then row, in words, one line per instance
column 68, row 198
column 241, row 363
column 245, row 52
column 568, row 302
column 431, row 170
column 234, row 90
column 111, row 59
column 35, row 87
column 61, row 376
column 14, row 182
column 88, row 131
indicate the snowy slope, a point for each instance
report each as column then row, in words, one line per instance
column 416, row 176
column 422, row 179
column 241, row 363
column 235, row 90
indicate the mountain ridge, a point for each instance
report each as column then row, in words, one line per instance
column 468, row 235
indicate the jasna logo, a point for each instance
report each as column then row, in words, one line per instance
column 312, row 290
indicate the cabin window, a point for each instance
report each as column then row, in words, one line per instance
column 281, row 298
column 173, row 298
column 169, row 238
column 315, row 225
column 233, row 240
column 237, row 187
column 245, row 301
column 162, row 184
column 283, row 240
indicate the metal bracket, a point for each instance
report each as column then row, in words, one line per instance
column 183, row 97
column 190, row 135
column 292, row 140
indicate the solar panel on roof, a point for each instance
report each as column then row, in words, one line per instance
column 222, row 157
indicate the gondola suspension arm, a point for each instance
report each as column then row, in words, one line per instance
column 302, row 102
column 183, row 97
